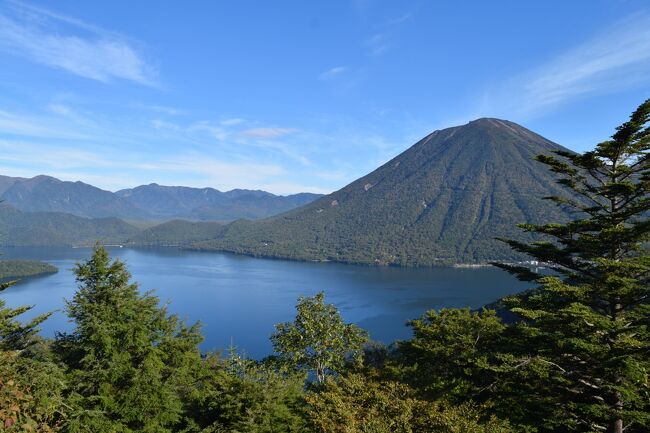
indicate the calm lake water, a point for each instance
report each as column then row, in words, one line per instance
column 238, row 299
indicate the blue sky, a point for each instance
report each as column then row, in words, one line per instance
column 291, row 96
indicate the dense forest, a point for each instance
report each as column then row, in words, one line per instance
column 11, row 269
column 18, row 228
column 577, row 359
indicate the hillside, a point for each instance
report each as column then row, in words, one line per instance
column 15, row 269
column 176, row 233
column 443, row 200
column 209, row 204
column 18, row 228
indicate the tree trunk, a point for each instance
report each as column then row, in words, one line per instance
column 616, row 426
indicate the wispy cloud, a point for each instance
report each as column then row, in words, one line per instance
column 333, row 72
column 171, row 111
column 231, row 122
column 36, row 126
column 28, row 158
column 163, row 125
column 64, row 138
column 400, row 19
column 377, row 43
column 267, row 132
column 214, row 131
column 615, row 59
column 71, row 45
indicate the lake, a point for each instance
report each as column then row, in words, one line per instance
column 238, row 299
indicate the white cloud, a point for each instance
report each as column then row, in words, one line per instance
column 52, row 157
column 615, row 59
column 400, row 19
column 287, row 188
column 162, row 125
column 71, row 45
column 35, row 126
column 333, row 72
column 377, row 44
column 232, row 122
column 267, row 132
column 213, row 131
column 166, row 110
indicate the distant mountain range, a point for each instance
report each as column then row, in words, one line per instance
column 144, row 203
column 209, row 204
column 442, row 201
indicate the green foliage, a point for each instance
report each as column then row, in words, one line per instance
column 12, row 269
column 128, row 359
column 30, row 394
column 19, row 228
column 358, row 404
column 318, row 339
column 176, row 233
column 15, row 335
column 30, row 389
column 237, row 395
column 590, row 323
column 451, row 353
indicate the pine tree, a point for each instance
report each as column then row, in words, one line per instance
column 129, row 360
column 30, row 388
column 15, row 335
column 589, row 323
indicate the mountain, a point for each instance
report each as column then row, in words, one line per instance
column 209, row 204
column 176, row 233
column 442, row 201
column 144, row 203
column 48, row 194
column 18, row 228
column 6, row 182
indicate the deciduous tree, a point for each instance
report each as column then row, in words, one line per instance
column 318, row 339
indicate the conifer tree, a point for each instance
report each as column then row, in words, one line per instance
column 129, row 360
column 589, row 323
column 15, row 335
column 30, row 388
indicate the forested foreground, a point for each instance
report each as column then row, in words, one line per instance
column 576, row 360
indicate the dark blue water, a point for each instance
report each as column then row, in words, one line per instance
column 238, row 299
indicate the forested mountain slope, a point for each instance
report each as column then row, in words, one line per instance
column 19, row 228
column 443, row 200
column 176, row 233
